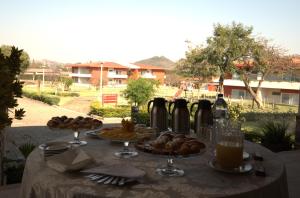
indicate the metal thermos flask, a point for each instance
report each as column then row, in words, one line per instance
column 158, row 114
column 203, row 118
column 180, row 116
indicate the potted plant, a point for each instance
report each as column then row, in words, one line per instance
column 10, row 89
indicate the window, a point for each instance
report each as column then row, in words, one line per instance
column 276, row 93
column 237, row 93
column 289, row 98
column 240, row 94
column 84, row 71
column 75, row 70
column 84, row 80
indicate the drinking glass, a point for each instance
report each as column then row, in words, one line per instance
column 170, row 169
column 229, row 146
column 76, row 140
column 126, row 152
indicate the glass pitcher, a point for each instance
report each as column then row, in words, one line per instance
column 229, row 146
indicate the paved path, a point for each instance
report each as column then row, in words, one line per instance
column 32, row 128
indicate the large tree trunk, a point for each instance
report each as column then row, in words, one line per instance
column 257, row 99
column 221, row 83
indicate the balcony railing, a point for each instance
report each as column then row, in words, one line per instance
column 148, row 76
column 265, row 84
column 81, row 75
column 114, row 75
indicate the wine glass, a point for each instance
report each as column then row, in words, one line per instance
column 126, row 152
column 170, row 169
column 77, row 141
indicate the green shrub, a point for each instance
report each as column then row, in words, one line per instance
column 51, row 100
column 26, row 149
column 143, row 117
column 65, row 94
column 253, row 136
column 235, row 112
column 109, row 112
column 275, row 137
column 262, row 116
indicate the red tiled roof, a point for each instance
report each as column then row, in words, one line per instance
column 142, row 66
column 98, row 64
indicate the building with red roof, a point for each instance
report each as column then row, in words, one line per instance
column 113, row 74
column 281, row 87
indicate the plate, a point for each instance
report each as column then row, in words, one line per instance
column 93, row 133
column 54, row 146
column 111, row 134
column 246, row 155
column 244, row 168
column 147, row 148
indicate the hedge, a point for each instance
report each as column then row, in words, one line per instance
column 119, row 112
column 49, row 99
column 65, row 94
column 109, row 112
column 260, row 116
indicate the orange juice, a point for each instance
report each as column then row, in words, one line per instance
column 229, row 155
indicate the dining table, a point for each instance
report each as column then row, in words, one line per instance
column 199, row 179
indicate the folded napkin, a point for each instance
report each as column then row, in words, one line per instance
column 71, row 160
column 118, row 170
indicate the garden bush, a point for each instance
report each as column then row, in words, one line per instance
column 275, row 137
column 119, row 112
column 51, row 100
column 262, row 116
column 65, row 94
column 109, row 112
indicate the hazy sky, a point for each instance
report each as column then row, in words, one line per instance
column 130, row 30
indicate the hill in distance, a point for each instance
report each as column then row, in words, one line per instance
column 160, row 61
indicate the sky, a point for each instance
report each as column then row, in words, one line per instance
column 130, row 30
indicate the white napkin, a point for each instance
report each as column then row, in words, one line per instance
column 71, row 160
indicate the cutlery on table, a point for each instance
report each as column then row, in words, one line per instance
column 109, row 180
column 115, row 181
column 121, row 182
column 103, row 179
column 96, row 177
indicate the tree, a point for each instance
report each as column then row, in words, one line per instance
column 67, row 82
column 268, row 60
column 25, row 60
column 195, row 65
column 11, row 88
column 233, row 49
column 140, row 91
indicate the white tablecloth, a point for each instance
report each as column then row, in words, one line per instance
column 200, row 180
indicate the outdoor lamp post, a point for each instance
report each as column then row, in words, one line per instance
column 101, row 81
column 43, row 85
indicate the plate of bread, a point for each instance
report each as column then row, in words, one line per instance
column 172, row 144
column 63, row 122
column 126, row 132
